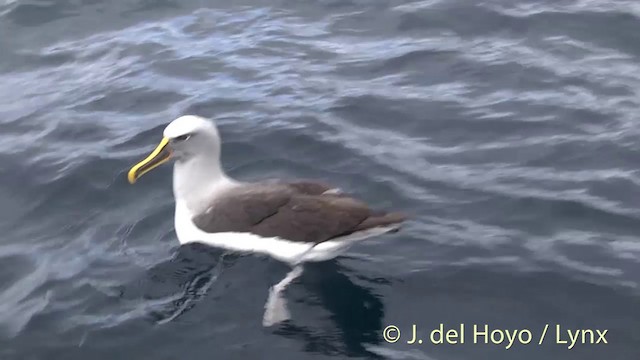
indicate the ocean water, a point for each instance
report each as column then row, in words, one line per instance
column 507, row 129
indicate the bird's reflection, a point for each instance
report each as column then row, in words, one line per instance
column 193, row 269
column 355, row 312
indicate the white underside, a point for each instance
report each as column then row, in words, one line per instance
column 281, row 249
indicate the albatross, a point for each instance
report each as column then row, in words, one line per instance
column 293, row 221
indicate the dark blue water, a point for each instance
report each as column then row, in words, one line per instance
column 508, row 129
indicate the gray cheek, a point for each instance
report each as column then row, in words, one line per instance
column 178, row 156
column 181, row 155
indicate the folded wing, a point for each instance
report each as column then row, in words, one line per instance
column 301, row 211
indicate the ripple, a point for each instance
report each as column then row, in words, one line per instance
column 34, row 14
column 18, row 297
column 132, row 101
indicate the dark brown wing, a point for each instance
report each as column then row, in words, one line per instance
column 309, row 187
column 290, row 213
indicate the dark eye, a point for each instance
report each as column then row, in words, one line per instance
column 182, row 137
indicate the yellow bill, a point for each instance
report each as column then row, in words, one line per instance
column 160, row 155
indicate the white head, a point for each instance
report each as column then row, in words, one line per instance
column 186, row 139
column 194, row 143
column 190, row 136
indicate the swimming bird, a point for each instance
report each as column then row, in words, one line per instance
column 293, row 221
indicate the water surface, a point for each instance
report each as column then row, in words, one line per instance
column 508, row 129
